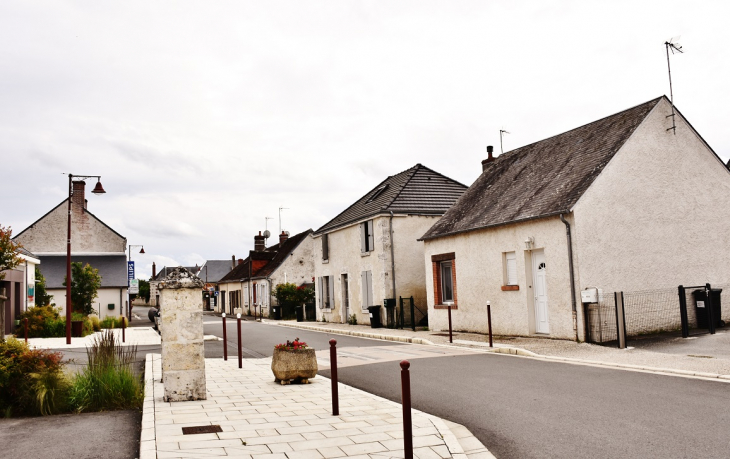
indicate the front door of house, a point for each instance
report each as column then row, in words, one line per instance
column 539, row 278
column 345, row 299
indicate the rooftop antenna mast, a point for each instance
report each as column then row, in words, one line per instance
column 501, row 131
column 674, row 47
column 280, row 209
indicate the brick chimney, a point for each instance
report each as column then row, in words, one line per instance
column 259, row 243
column 79, row 194
column 489, row 159
column 240, row 261
column 233, row 261
column 283, row 237
column 154, row 270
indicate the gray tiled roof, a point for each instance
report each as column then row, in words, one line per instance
column 214, row 270
column 541, row 179
column 418, row 190
column 112, row 268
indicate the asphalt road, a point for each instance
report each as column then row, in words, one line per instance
column 525, row 408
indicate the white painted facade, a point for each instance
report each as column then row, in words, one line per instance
column 655, row 218
column 346, row 258
column 104, row 298
column 298, row 268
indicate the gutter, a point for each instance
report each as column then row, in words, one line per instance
column 392, row 255
column 572, row 275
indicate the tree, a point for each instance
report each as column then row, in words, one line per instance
column 9, row 258
column 144, row 290
column 42, row 298
column 85, row 282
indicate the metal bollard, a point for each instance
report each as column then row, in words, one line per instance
column 25, row 325
column 333, row 371
column 405, row 378
column 240, row 354
column 124, row 328
column 225, row 338
column 451, row 340
column 489, row 321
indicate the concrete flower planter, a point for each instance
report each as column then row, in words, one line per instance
column 294, row 366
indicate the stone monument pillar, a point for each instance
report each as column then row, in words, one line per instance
column 181, row 328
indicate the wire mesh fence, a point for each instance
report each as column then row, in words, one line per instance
column 651, row 312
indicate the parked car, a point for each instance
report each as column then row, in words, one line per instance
column 158, row 321
column 151, row 314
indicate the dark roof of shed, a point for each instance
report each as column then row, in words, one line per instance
column 162, row 273
column 214, row 270
column 418, row 190
column 274, row 256
column 112, row 268
column 541, row 179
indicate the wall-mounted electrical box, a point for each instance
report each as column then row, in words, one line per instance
column 591, row 295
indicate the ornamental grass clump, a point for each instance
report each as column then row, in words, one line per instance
column 108, row 382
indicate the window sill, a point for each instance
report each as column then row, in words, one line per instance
column 365, row 254
column 445, row 306
column 508, row 288
column 324, row 262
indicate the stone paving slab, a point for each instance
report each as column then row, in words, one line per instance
column 260, row 418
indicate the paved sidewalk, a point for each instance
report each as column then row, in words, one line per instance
column 262, row 419
column 687, row 364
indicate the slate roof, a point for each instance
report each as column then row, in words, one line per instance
column 162, row 273
column 418, row 190
column 274, row 256
column 542, row 179
column 214, row 270
column 112, row 268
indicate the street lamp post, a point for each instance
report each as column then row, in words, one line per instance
column 129, row 258
column 98, row 189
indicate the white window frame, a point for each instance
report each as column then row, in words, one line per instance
column 367, row 238
column 326, row 284
column 445, row 279
column 510, row 268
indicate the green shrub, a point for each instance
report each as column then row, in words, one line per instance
column 95, row 324
column 38, row 317
column 352, row 320
column 31, row 380
column 108, row 382
column 113, row 322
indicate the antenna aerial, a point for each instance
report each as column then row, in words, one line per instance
column 501, row 131
column 266, row 232
column 673, row 45
column 280, row 209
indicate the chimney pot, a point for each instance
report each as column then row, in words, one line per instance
column 240, row 261
column 154, row 270
column 233, row 261
column 489, row 159
column 283, row 237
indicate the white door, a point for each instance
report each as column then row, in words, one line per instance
column 539, row 281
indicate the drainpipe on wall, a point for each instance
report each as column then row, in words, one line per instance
column 572, row 276
column 392, row 251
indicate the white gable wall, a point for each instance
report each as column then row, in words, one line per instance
column 479, row 278
column 658, row 214
column 298, row 268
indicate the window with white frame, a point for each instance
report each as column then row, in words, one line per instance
column 326, row 286
column 510, row 268
column 447, row 283
column 367, row 240
column 366, row 281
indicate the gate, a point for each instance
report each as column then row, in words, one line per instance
column 409, row 315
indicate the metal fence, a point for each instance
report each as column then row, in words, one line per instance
column 649, row 312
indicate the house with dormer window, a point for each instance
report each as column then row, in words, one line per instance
column 370, row 252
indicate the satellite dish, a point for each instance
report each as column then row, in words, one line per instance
column 287, row 233
column 267, row 233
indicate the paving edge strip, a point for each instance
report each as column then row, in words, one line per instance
column 520, row 352
column 147, row 436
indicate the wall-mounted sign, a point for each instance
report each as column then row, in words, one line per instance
column 130, row 271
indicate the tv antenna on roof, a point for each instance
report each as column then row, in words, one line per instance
column 501, row 131
column 280, row 209
column 672, row 45
column 267, row 233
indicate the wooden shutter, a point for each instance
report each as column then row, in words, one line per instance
column 325, row 247
column 370, row 288
column 363, row 237
column 320, row 301
column 331, row 285
column 371, row 239
column 364, row 288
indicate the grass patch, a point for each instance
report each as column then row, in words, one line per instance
column 109, row 381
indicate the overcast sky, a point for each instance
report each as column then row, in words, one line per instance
column 203, row 118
